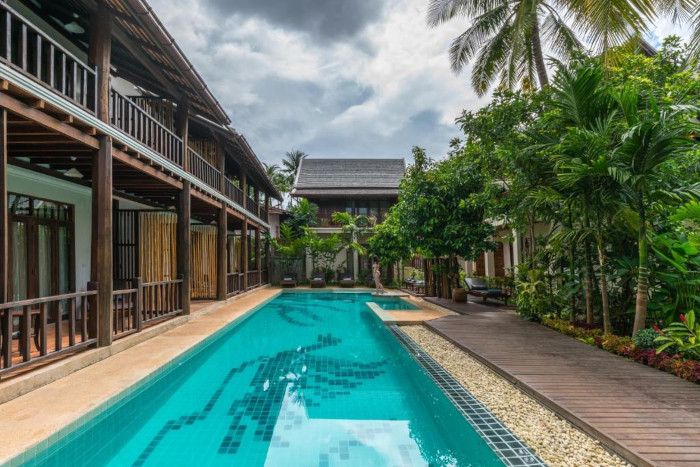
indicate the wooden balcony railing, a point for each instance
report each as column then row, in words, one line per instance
column 52, row 325
column 25, row 47
column 233, row 193
column 203, row 170
column 251, row 205
column 263, row 214
column 126, row 311
column 161, row 299
column 234, row 283
column 253, row 279
column 126, row 115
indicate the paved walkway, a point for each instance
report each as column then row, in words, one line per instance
column 647, row 416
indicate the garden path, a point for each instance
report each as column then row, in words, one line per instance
column 645, row 415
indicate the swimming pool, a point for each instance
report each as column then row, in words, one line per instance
column 308, row 379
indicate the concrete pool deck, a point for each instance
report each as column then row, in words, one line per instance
column 41, row 412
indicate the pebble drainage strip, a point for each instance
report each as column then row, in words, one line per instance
column 511, row 450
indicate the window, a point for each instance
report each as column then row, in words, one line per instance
column 41, row 247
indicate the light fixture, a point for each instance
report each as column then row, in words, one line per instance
column 74, row 28
column 73, row 158
column 73, row 173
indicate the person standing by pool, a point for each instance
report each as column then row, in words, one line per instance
column 377, row 274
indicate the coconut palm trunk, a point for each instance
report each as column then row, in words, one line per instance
column 607, row 326
column 640, row 314
column 589, row 282
column 537, row 52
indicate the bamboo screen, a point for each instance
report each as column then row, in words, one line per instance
column 203, row 261
column 234, row 253
column 157, row 246
column 205, row 148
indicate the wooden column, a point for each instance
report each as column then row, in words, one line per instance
column 221, row 256
column 4, row 212
column 99, row 55
column 184, row 241
column 258, row 254
column 245, row 257
column 256, row 197
column 244, row 188
column 101, row 268
column 182, row 129
column 221, row 162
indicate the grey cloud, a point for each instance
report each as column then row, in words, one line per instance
column 323, row 19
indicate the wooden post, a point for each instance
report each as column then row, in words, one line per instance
column 258, row 254
column 256, row 197
column 4, row 212
column 221, row 256
column 101, row 268
column 99, row 55
column 6, row 316
column 182, row 129
column 138, row 285
column 244, row 188
column 221, row 162
column 184, row 244
column 244, row 253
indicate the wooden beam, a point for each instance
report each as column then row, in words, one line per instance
column 184, row 241
column 101, row 257
column 258, row 255
column 221, row 254
column 100, row 55
column 26, row 111
column 182, row 129
column 145, row 168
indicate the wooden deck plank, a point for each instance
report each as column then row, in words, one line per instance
column 647, row 416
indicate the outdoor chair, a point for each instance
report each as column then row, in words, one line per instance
column 346, row 280
column 479, row 288
column 318, row 280
column 288, row 280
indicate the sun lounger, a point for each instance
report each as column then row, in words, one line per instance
column 347, row 280
column 318, row 280
column 288, row 281
column 479, row 288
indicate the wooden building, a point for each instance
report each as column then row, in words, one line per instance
column 124, row 191
column 357, row 186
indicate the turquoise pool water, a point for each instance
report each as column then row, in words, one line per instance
column 308, row 379
column 393, row 303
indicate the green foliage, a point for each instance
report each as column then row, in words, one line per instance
column 302, row 215
column 683, row 335
column 533, row 300
column 323, row 252
column 388, row 244
column 289, row 248
column 644, row 339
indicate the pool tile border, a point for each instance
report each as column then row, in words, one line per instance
column 510, row 449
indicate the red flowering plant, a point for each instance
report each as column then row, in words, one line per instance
column 683, row 335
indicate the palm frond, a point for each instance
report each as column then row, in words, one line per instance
column 482, row 29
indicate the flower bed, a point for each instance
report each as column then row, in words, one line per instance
column 624, row 346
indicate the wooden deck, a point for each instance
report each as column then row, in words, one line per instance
column 647, row 416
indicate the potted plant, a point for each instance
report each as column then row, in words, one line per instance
column 459, row 293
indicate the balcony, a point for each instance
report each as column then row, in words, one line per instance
column 28, row 51
column 25, row 48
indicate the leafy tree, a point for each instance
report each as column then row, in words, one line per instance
column 323, row 251
column 302, row 215
column 353, row 226
column 388, row 243
column 278, row 178
column 506, row 38
column 291, row 162
column 289, row 247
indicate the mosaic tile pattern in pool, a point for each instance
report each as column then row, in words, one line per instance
column 309, row 379
column 511, row 450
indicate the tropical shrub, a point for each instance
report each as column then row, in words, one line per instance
column 644, row 339
column 572, row 330
column 682, row 335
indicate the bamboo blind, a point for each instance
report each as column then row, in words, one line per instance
column 158, row 246
column 234, row 253
column 161, row 110
column 205, row 148
column 203, row 261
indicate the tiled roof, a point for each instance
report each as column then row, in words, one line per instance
column 344, row 177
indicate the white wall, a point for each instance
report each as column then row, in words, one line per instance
column 26, row 182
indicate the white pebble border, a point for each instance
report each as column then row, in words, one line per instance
column 555, row 440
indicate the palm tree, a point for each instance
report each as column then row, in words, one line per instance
column 506, row 39
column 278, row 178
column 291, row 162
column 655, row 136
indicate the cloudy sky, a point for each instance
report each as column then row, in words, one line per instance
column 333, row 78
